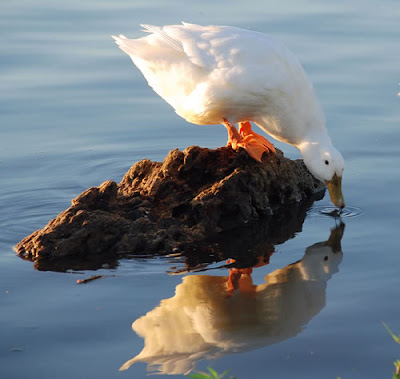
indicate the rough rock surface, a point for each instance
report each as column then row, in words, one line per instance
column 193, row 202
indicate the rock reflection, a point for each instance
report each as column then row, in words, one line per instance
column 213, row 316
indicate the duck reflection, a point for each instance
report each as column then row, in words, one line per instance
column 212, row 316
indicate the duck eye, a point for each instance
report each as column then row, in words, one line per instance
column 327, row 162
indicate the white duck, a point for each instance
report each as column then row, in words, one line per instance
column 227, row 75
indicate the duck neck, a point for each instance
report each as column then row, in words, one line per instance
column 319, row 138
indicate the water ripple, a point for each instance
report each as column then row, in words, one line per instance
column 324, row 211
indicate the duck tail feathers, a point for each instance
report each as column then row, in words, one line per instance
column 119, row 40
column 177, row 45
column 125, row 44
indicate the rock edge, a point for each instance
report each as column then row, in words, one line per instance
column 179, row 205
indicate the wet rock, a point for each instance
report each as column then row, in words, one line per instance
column 193, row 202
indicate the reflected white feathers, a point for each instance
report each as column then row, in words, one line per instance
column 203, row 321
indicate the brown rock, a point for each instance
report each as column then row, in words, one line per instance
column 192, row 202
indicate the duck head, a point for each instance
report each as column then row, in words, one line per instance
column 327, row 165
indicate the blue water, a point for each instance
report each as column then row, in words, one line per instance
column 75, row 112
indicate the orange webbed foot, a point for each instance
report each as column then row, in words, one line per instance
column 255, row 144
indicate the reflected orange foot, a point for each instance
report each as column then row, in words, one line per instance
column 234, row 276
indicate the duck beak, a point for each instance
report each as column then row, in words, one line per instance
column 335, row 191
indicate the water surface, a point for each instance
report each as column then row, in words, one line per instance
column 75, row 112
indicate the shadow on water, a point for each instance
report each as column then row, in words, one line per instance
column 213, row 316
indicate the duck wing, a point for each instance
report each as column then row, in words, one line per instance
column 208, row 71
column 164, row 62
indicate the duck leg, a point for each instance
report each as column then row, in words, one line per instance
column 233, row 135
column 253, row 143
